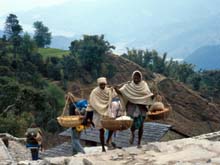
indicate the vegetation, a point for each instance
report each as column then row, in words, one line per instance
column 27, row 89
column 91, row 51
column 25, row 96
column 42, row 36
column 52, row 52
column 12, row 27
column 206, row 82
column 12, row 31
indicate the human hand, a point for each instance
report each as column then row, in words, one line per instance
column 84, row 122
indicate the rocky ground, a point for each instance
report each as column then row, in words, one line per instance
column 180, row 152
column 199, row 150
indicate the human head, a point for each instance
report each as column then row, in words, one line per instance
column 33, row 125
column 136, row 76
column 102, row 82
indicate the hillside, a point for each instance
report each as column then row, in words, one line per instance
column 206, row 57
column 191, row 114
column 52, row 52
column 123, row 67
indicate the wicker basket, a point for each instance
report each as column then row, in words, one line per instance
column 113, row 125
column 158, row 114
column 69, row 121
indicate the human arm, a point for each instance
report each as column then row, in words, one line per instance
column 117, row 90
column 88, row 118
column 72, row 109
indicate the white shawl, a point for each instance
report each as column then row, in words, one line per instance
column 100, row 100
column 135, row 93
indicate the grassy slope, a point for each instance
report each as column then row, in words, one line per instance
column 52, row 52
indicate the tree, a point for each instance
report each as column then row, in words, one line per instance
column 28, row 46
column 90, row 52
column 12, row 27
column 70, row 68
column 42, row 36
column 185, row 70
column 12, row 32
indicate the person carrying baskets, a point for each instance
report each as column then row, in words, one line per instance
column 75, row 131
column 99, row 102
column 135, row 96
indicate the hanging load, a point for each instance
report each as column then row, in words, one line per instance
column 158, row 115
column 73, row 120
column 81, row 104
column 120, row 123
column 158, row 111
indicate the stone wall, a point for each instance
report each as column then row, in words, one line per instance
column 16, row 150
column 214, row 136
column 5, row 157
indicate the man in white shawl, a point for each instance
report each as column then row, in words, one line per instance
column 135, row 96
column 99, row 102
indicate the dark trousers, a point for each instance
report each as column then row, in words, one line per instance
column 34, row 154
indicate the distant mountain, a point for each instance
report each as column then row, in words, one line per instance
column 61, row 42
column 177, row 39
column 1, row 33
column 206, row 57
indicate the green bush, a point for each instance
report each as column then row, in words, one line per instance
column 52, row 126
column 57, row 93
column 5, row 71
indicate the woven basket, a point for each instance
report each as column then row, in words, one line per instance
column 158, row 114
column 69, row 121
column 113, row 125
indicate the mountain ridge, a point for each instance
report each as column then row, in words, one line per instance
column 206, row 57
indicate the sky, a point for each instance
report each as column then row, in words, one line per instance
column 8, row 6
column 152, row 24
column 20, row 6
column 15, row 6
column 149, row 8
column 145, row 9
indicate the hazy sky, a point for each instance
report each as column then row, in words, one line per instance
column 14, row 6
column 158, row 24
column 20, row 6
column 160, row 11
column 8, row 6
